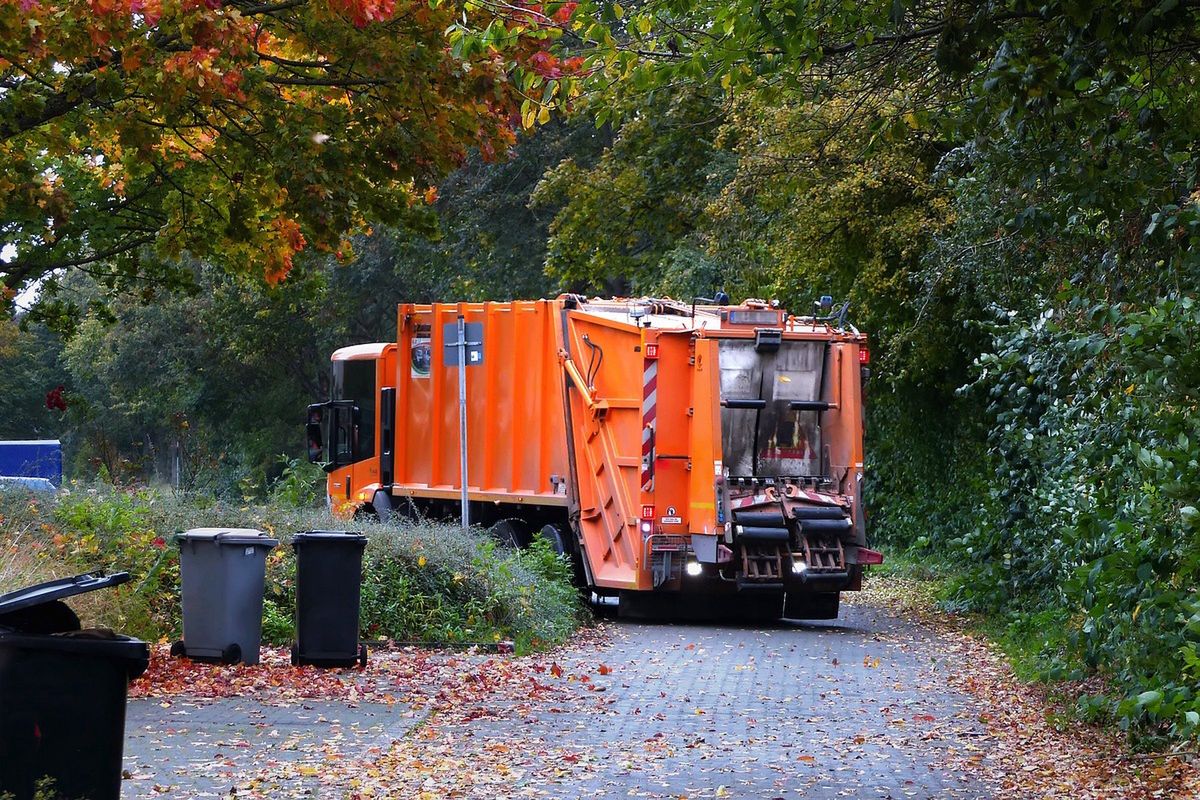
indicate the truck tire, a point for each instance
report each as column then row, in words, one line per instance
column 811, row 605
column 382, row 503
column 555, row 536
column 511, row 533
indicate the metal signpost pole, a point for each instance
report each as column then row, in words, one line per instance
column 462, row 416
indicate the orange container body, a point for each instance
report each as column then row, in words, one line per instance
column 515, row 430
column 668, row 447
column 652, row 438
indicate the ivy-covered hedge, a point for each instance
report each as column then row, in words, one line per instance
column 1091, row 525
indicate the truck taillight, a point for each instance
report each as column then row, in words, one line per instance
column 647, row 524
column 868, row 556
column 864, row 355
column 652, row 351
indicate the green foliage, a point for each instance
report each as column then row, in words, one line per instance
column 44, row 790
column 117, row 531
column 29, row 368
column 300, row 485
column 1037, row 644
column 203, row 390
column 440, row 585
column 618, row 217
column 1096, row 444
column 279, row 624
column 430, row 583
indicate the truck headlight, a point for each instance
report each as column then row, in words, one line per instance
column 798, row 566
column 693, row 568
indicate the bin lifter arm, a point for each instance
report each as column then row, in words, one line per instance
column 597, row 407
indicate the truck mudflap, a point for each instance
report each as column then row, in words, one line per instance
column 794, row 539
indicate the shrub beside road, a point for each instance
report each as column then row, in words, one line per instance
column 423, row 582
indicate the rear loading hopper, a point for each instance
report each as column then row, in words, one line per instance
column 717, row 453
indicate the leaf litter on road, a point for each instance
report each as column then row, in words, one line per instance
column 535, row 726
column 1033, row 746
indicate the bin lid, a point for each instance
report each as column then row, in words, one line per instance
column 134, row 652
column 56, row 590
column 234, row 536
column 349, row 537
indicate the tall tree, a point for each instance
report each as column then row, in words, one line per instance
column 237, row 131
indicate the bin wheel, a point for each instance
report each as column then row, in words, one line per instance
column 178, row 649
column 231, row 654
column 362, row 656
column 295, row 655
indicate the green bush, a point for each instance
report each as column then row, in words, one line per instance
column 300, row 485
column 426, row 582
column 279, row 624
column 1092, row 517
column 436, row 583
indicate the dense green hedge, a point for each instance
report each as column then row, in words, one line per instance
column 1088, row 537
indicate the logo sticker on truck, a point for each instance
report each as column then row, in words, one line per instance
column 421, row 359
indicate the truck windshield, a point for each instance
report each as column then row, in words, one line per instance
column 761, row 434
column 355, row 381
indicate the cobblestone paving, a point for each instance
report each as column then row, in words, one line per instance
column 205, row 749
column 853, row 709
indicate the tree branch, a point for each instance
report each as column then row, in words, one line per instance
column 16, row 272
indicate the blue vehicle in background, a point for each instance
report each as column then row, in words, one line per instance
column 33, row 464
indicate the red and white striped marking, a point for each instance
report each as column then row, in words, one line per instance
column 649, row 414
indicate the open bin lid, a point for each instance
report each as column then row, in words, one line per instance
column 347, row 537
column 231, row 536
column 50, row 591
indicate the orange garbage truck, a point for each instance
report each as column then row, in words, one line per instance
column 690, row 459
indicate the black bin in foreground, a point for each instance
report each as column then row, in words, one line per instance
column 328, row 583
column 62, row 693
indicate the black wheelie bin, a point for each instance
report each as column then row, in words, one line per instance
column 62, row 693
column 328, row 598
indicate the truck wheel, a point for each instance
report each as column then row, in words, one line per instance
column 510, row 533
column 382, row 503
column 811, row 605
column 554, row 535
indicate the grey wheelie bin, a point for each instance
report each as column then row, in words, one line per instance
column 223, row 574
column 62, row 693
column 328, row 583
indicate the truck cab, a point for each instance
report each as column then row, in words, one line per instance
column 350, row 433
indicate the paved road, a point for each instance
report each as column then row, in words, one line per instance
column 208, row 748
column 856, row 709
column 853, row 709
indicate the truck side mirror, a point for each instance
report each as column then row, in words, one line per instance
column 316, row 447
